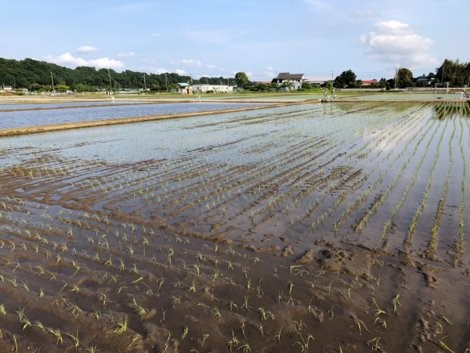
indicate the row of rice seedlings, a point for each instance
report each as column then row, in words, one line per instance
column 379, row 200
column 463, row 188
column 365, row 194
column 423, row 203
column 342, row 196
column 393, row 216
column 443, row 110
column 277, row 198
column 433, row 242
column 331, row 187
column 260, row 182
column 398, row 126
column 169, row 193
column 273, row 204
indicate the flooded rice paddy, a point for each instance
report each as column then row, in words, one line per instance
column 26, row 115
column 308, row 228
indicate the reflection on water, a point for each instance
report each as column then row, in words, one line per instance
column 25, row 118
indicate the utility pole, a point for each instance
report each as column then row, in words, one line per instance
column 166, row 81
column 52, row 82
column 395, row 79
column 145, row 85
column 110, row 85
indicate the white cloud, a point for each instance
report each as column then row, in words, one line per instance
column 106, row 63
column 211, row 66
column 86, row 49
column 397, row 43
column 192, row 62
column 180, row 72
column 68, row 59
column 159, row 70
column 128, row 54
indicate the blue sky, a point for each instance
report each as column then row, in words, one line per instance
column 319, row 38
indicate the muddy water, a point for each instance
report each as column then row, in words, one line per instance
column 266, row 226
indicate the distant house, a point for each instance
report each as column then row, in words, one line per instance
column 423, row 81
column 206, row 88
column 185, row 88
column 368, row 83
column 289, row 81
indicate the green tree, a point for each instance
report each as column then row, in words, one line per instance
column 273, row 86
column 80, row 87
column 454, row 72
column 384, row 84
column 36, row 75
column 35, row 87
column 404, row 78
column 62, row 88
column 329, row 87
column 346, row 79
column 241, row 79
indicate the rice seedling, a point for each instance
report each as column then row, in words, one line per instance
column 375, row 344
column 304, row 343
column 445, row 347
column 121, row 327
column 57, row 335
column 185, row 332
column 74, row 338
column 14, row 349
column 396, row 303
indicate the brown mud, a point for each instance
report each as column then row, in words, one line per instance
column 95, row 258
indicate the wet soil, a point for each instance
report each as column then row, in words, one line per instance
column 179, row 255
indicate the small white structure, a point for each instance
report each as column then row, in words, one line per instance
column 6, row 88
column 206, row 88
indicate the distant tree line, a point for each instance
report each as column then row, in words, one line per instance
column 453, row 73
column 39, row 75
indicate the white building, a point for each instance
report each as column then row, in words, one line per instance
column 206, row 88
column 289, row 81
